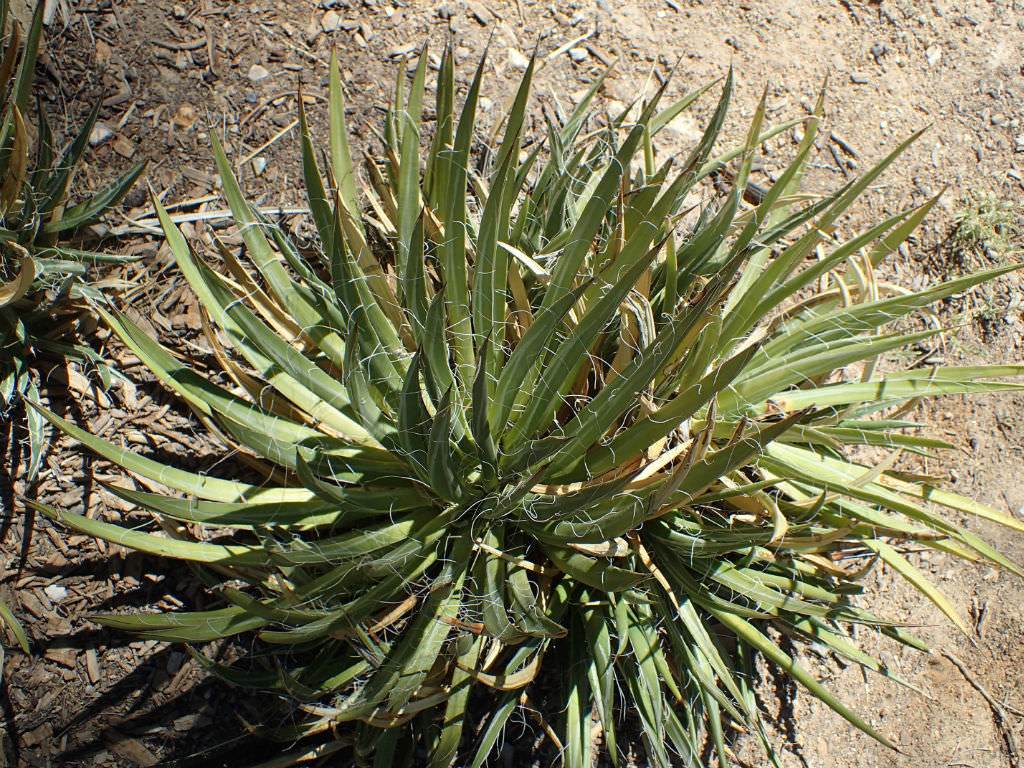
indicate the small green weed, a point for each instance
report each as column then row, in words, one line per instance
column 989, row 224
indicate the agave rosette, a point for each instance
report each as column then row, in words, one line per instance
column 515, row 415
column 40, row 269
column 37, row 270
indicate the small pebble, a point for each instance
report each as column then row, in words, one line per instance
column 401, row 50
column 860, row 78
column 185, row 117
column 877, row 51
column 485, row 104
column 999, row 120
column 330, row 21
column 933, row 55
column 55, row 592
column 517, row 60
column 99, row 134
column 446, row 11
column 259, row 165
column 258, row 72
column 579, row 55
column 179, row 11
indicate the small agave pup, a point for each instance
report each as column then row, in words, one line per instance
column 39, row 267
column 520, row 427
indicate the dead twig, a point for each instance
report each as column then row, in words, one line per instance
column 1001, row 717
column 843, row 144
column 187, row 45
column 534, row 712
column 839, row 160
column 277, row 136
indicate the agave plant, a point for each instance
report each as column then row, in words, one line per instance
column 39, row 270
column 527, row 424
column 38, row 267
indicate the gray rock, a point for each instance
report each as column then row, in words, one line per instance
column 330, row 21
column 579, row 55
column 517, row 60
column 55, row 592
column 99, row 134
column 401, row 50
column 258, row 72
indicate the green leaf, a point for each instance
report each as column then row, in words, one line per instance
column 408, row 257
column 582, row 235
column 201, row 485
column 747, row 633
column 8, row 619
column 98, row 204
column 593, row 572
column 903, row 567
column 562, row 365
column 499, row 716
column 441, row 462
column 455, row 713
column 341, row 156
column 197, row 551
column 451, row 253
column 266, row 261
column 37, row 442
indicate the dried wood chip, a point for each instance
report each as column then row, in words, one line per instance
column 64, row 656
column 78, row 383
column 58, row 542
column 92, row 666
column 40, row 735
column 130, row 749
column 123, row 146
column 32, row 604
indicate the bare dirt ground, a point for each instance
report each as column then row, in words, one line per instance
column 168, row 72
